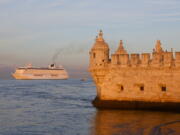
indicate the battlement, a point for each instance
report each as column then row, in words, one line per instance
column 168, row 59
column 135, row 60
column 145, row 59
column 165, row 59
column 177, row 59
column 158, row 58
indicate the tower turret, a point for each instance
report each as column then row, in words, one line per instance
column 99, row 54
column 121, row 49
column 120, row 56
column 158, row 48
column 157, row 55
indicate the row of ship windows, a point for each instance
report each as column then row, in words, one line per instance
column 42, row 75
column 141, row 87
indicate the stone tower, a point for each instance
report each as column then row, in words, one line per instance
column 99, row 54
column 135, row 81
column 99, row 60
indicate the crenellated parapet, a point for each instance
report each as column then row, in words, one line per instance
column 135, row 60
column 158, row 58
column 124, row 60
column 168, row 59
column 177, row 59
column 145, row 59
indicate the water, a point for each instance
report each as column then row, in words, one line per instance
column 63, row 107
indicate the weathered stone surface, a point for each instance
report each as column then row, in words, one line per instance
column 135, row 78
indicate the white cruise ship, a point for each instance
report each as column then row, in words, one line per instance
column 32, row 73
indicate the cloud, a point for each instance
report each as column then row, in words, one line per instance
column 5, row 1
column 162, row 2
column 168, row 14
column 166, row 17
column 166, row 20
column 55, row 4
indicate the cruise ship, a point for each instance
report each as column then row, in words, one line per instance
column 34, row 73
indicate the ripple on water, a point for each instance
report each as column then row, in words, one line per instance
column 63, row 107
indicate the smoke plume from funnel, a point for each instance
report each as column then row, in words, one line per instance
column 57, row 53
column 70, row 51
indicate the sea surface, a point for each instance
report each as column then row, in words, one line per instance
column 63, row 107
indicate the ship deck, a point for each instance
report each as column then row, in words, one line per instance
column 43, row 68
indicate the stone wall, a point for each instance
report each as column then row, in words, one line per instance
column 142, row 84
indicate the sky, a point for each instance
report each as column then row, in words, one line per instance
column 34, row 31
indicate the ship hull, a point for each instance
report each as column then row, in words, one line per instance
column 32, row 77
column 40, row 74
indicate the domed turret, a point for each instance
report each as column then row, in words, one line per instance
column 99, row 42
column 99, row 54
